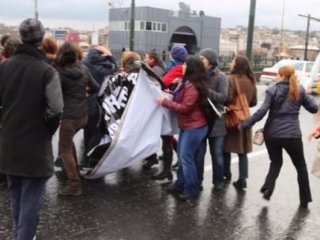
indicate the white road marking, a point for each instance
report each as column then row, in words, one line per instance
column 236, row 159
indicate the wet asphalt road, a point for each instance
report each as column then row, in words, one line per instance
column 127, row 205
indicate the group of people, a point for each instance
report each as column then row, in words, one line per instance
column 43, row 86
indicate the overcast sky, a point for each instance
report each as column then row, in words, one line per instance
column 93, row 14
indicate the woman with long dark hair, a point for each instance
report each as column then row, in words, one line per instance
column 240, row 141
column 187, row 102
column 282, row 130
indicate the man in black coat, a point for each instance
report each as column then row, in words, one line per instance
column 31, row 100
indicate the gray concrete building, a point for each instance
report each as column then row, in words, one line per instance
column 161, row 29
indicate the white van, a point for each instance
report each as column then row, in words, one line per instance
column 302, row 68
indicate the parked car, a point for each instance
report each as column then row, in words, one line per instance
column 303, row 69
column 312, row 82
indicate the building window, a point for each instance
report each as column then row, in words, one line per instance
column 126, row 26
column 164, row 27
column 142, row 23
column 148, row 26
column 139, row 26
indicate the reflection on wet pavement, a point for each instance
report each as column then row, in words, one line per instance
column 127, row 205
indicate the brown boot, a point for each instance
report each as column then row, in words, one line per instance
column 70, row 191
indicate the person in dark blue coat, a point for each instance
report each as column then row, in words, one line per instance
column 100, row 64
column 282, row 130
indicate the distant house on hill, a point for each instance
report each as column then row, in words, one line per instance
column 298, row 52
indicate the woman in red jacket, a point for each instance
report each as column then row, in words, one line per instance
column 190, row 95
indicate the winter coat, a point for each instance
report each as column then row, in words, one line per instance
column 31, row 100
column 240, row 141
column 285, row 124
column 74, row 81
column 158, row 70
column 187, row 106
column 218, row 93
column 173, row 74
column 99, row 67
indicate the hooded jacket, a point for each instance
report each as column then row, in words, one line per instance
column 99, row 67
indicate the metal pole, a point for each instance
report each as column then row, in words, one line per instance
column 131, row 46
column 307, row 33
column 282, row 21
column 36, row 15
column 307, row 39
column 251, row 29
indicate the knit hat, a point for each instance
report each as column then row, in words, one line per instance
column 31, row 32
column 211, row 55
column 129, row 58
column 179, row 53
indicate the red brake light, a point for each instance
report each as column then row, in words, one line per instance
column 269, row 74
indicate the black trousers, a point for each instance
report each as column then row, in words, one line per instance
column 92, row 134
column 294, row 147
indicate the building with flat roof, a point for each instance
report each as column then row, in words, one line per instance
column 161, row 29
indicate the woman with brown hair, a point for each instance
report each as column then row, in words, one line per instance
column 282, row 129
column 50, row 48
column 75, row 81
column 240, row 141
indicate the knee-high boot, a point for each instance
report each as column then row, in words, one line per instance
column 166, row 173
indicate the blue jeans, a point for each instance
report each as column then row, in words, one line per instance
column 216, row 145
column 25, row 198
column 187, row 178
column 243, row 165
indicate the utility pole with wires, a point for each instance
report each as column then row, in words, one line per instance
column 307, row 32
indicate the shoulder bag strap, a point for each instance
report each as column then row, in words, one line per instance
column 237, row 86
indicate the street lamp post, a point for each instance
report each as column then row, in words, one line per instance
column 131, row 46
column 251, row 29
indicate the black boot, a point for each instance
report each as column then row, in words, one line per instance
column 3, row 180
column 240, row 184
column 166, row 173
column 150, row 161
column 266, row 193
column 175, row 166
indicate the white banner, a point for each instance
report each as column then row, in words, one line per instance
column 139, row 129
